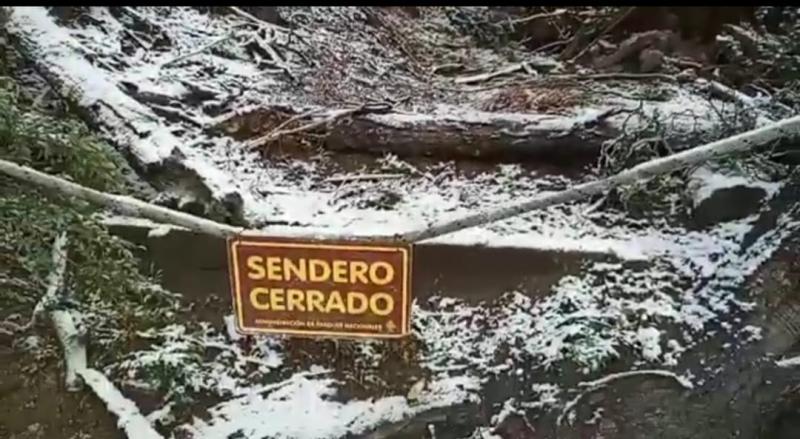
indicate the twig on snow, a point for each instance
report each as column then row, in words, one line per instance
column 202, row 49
column 555, row 13
column 595, row 385
column 332, row 117
column 570, row 77
column 256, row 20
column 362, row 177
column 550, row 45
column 486, row 76
column 120, row 203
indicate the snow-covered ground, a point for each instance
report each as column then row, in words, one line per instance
column 665, row 287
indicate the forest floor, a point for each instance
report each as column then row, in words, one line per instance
column 364, row 121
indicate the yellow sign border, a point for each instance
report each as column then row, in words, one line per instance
column 234, row 242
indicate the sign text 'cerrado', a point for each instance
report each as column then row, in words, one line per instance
column 341, row 289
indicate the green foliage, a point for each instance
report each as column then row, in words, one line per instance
column 57, row 146
column 102, row 270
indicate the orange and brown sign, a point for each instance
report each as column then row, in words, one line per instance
column 297, row 287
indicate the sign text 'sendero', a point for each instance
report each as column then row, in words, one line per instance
column 321, row 288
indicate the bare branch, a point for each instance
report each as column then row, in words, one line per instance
column 120, row 203
column 644, row 171
column 256, row 20
column 202, row 49
column 608, row 29
column 486, row 76
column 362, row 177
column 332, row 117
column 592, row 386
column 555, row 13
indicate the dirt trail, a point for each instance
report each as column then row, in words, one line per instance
column 196, row 266
column 35, row 405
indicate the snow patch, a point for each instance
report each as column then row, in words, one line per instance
column 303, row 409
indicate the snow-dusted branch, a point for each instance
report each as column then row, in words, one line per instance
column 644, row 171
column 119, row 203
column 55, row 280
column 129, row 418
column 67, row 327
column 73, row 341
column 789, row 362
column 591, row 386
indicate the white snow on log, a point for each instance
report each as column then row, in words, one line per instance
column 69, row 333
column 45, row 36
column 124, row 120
column 55, row 278
column 66, row 324
column 446, row 114
column 304, row 409
column 129, row 419
column 789, row 362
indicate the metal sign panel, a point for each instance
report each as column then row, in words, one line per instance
column 341, row 289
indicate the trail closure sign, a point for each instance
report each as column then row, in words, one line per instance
column 321, row 288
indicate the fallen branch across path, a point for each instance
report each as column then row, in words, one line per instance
column 129, row 418
column 137, row 208
column 119, row 203
column 130, row 206
column 644, row 171
column 73, row 341
column 595, row 385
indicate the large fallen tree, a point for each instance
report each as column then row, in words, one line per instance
column 151, row 147
column 542, row 138
column 781, row 131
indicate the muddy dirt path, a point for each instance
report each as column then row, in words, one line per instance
column 196, row 266
column 35, row 405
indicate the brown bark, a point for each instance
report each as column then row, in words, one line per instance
column 551, row 139
column 501, row 140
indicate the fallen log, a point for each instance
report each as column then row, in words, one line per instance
column 153, row 150
column 566, row 140
column 73, row 342
column 787, row 128
column 780, row 131
column 541, row 138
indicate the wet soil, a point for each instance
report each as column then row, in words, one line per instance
column 196, row 266
column 35, row 405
